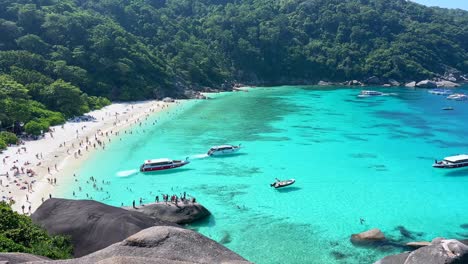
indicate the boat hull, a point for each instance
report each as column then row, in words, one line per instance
column 164, row 167
column 449, row 166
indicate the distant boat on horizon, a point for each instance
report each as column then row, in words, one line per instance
column 452, row 162
column 162, row 164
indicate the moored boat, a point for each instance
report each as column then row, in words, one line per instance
column 452, row 162
column 439, row 91
column 369, row 93
column 280, row 184
column 458, row 97
column 223, row 150
column 162, row 164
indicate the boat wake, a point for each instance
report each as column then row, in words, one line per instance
column 199, row 156
column 126, row 173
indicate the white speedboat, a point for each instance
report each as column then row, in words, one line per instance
column 280, row 184
column 452, row 162
column 458, row 97
column 162, row 164
column 223, row 150
column 440, row 91
column 369, row 93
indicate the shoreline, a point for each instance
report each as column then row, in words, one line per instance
column 60, row 152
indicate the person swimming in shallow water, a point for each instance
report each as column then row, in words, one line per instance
column 362, row 221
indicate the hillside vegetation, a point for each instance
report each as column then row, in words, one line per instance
column 19, row 234
column 60, row 58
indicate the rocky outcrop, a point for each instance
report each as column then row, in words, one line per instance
column 440, row 251
column 426, row 84
column 447, row 84
column 369, row 237
column 410, row 84
column 183, row 213
column 13, row 258
column 90, row 224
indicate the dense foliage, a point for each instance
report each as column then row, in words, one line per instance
column 7, row 138
column 19, row 234
column 54, row 52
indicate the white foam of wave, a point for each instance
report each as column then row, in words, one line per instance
column 126, row 173
column 199, row 156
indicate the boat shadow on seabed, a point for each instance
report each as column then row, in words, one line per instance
column 288, row 189
column 462, row 172
column 164, row 172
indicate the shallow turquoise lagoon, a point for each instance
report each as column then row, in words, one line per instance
column 352, row 158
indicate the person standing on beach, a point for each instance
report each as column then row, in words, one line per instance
column 134, row 204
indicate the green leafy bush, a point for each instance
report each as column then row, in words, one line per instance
column 3, row 145
column 19, row 234
column 34, row 127
column 8, row 137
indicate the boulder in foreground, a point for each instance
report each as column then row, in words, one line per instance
column 184, row 213
column 440, row 251
column 90, row 224
column 13, row 258
column 162, row 245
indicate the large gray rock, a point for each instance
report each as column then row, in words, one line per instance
column 440, row 251
column 410, row 84
column 443, row 251
column 162, row 245
column 372, row 80
column 368, row 237
column 426, row 84
column 90, row 224
column 354, row 83
column 418, row 244
column 183, row 213
column 324, row 83
column 447, row 84
column 394, row 82
column 13, row 258
column 394, row 259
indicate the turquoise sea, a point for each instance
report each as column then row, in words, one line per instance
column 351, row 157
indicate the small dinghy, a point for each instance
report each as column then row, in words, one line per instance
column 280, row 184
column 447, row 108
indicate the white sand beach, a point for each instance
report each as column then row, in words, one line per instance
column 34, row 170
